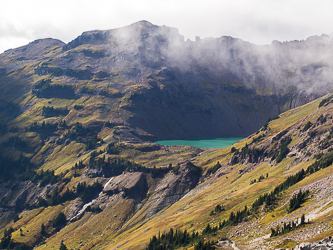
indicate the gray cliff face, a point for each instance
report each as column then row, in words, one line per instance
column 171, row 88
column 210, row 87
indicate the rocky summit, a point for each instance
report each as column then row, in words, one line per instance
column 147, row 77
column 79, row 167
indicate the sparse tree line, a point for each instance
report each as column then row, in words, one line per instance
column 324, row 161
column 113, row 167
column 85, row 135
column 270, row 198
column 324, row 101
column 48, row 126
column 258, row 138
column 253, row 154
column 213, row 169
column 287, row 227
column 261, row 177
column 171, row 240
column 218, row 208
column 265, row 126
column 49, row 111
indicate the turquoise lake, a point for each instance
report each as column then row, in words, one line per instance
column 203, row 143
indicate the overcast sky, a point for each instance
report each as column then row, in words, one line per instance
column 256, row 21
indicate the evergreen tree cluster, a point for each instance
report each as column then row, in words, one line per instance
column 8, row 243
column 56, row 198
column 234, row 150
column 265, row 126
column 261, row 177
column 297, row 200
column 59, row 220
column 171, row 240
column 62, row 246
column 114, row 167
column 47, row 177
column 109, row 124
column 79, row 165
column 209, row 229
column 158, row 172
column 258, row 138
column 114, row 148
column 45, row 89
column 36, row 127
column 91, row 142
column 49, row 111
column 287, row 227
column 78, row 107
column 175, row 170
column 82, row 134
column 10, row 167
column 307, row 126
column 321, row 119
column 252, row 154
column 282, row 152
column 83, row 191
column 87, row 192
column 236, row 218
column 49, row 127
column 218, row 208
column 208, row 245
column 213, row 169
column 193, row 168
column 269, row 198
column 326, row 100
column 324, row 162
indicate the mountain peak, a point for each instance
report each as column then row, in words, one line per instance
column 143, row 22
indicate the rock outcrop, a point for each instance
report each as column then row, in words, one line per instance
column 133, row 185
column 324, row 244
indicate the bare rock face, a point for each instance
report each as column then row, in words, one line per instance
column 172, row 188
column 74, row 208
column 326, row 243
column 134, row 185
column 23, row 194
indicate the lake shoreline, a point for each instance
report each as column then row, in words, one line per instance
column 203, row 142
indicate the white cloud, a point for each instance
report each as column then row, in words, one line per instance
column 257, row 21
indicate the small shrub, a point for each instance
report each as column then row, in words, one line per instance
column 78, row 107
column 307, row 126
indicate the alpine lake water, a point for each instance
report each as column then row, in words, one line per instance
column 203, row 142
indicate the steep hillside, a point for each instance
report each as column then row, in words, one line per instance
column 103, row 201
column 77, row 158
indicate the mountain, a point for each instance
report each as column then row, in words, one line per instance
column 150, row 79
column 78, row 165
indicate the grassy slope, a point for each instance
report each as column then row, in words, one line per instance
column 232, row 190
